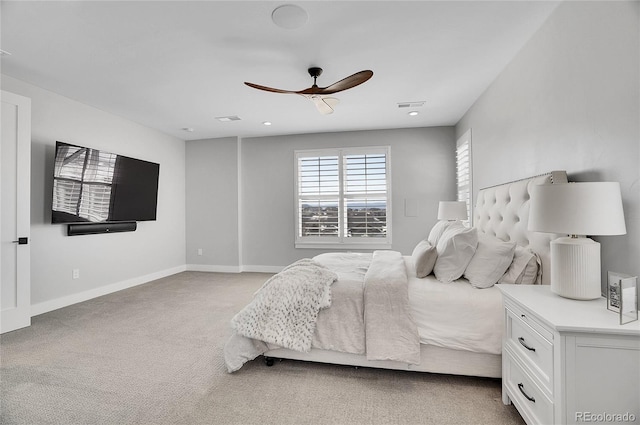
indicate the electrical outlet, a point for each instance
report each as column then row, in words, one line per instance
column 75, row 273
column 199, row 251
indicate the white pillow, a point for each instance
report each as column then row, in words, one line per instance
column 491, row 259
column 424, row 257
column 525, row 268
column 455, row 248
column 437, row 230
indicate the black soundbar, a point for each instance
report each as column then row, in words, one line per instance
column 94, row 228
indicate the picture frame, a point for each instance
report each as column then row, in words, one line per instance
column 613, row 291
column 622, row 296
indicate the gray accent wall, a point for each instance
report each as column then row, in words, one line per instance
column 570, row 100
column 422, row 170
column 212, row 204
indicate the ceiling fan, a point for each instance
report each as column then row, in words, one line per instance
column 319, row 95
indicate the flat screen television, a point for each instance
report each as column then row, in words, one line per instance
column 95, row 186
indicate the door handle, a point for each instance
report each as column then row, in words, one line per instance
column 22, row 241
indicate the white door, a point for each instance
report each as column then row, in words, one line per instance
column 15, row 172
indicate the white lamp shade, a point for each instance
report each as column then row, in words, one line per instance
column 452, row 210
column 577, row 209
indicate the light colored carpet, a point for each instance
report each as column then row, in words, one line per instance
column 153, row 355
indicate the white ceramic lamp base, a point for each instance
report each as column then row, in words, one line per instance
column 575, row 268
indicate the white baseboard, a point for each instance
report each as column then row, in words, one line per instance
column 47, row 306
column 263, row 269
column 212, row 268
column 233, row 269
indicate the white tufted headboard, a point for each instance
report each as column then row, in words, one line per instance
column 503, row 211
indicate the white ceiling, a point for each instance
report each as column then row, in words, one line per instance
column 176, row 64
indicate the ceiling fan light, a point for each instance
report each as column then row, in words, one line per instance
column 324, row 104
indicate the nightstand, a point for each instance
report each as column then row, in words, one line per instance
column 566, row 361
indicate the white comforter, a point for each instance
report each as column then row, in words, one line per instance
column 450, row 315
column 456, row 315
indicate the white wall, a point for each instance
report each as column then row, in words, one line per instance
column 422, row 169
column 570, row 100
column 106, row 262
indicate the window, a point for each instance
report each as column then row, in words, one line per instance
column 343, row 198
column 463, row 173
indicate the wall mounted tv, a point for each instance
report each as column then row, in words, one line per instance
column 95, row 186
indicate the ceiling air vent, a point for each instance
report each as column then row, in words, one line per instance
column 411, row 104
column 229, row 118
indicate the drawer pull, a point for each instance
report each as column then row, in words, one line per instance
column 521, row 340
column 520, row 387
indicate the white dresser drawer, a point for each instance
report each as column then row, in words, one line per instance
column 531, row 400
column 526, row 317
column 528, row 344
column 591, row 361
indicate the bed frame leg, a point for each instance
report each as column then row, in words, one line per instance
column 269, row 361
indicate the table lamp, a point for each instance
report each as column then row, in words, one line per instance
column 577, row 209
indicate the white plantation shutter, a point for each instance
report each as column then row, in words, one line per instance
column 463, row 173
column 365, row 194
column 342, row 197
column 318, row 192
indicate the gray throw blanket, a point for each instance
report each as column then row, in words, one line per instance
column 284, row 311
column 391, row 333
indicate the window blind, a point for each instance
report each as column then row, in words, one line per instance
column 463, row 173
column 342, row 195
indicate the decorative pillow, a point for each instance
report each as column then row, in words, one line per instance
column 525, row 268
column 455, row 248
column 492, row 258
column 424, row 257
column 437, row 230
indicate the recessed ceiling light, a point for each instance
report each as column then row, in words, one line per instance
column 413, row 113
column 266, row 123
column 188, row 129
column 289, row 16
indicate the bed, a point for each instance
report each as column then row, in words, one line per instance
column 379, row 310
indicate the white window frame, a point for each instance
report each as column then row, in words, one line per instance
column 342, row 241
column 464, row 174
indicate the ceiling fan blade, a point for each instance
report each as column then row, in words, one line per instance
column 318, row 95
column 344, row 84
column 271, row 89
column 324, row 105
